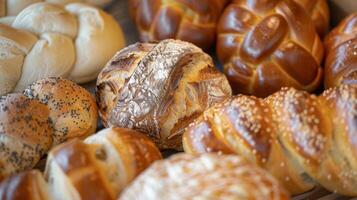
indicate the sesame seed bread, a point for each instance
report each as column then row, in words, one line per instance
column 302, row 139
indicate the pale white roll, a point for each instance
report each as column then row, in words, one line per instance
column 14, row 7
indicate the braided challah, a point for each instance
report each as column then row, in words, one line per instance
column 192, row 21
column 51, row 111
column 159, row 89
column 209, row 176
column 265, row 45
column 300, row 138
column 48, row 40
column 100, row 167
column 341, row 53
column 14, row 7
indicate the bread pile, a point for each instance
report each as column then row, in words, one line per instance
column 47, row 40
column 168, row 94
column 49, row 112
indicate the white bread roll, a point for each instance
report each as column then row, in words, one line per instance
column 73, row 42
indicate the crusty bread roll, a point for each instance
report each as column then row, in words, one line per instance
column 25, row 133
column 48, row 40
column 319, row 12
column 14, row 7
column 52, row 111
column 73, row 111
column 341, row 53
column 191, row 21
column 29, row 185
column 266, row 45
column 300, row 138
column 100, row 167
column 209, row 176
column 159, row 89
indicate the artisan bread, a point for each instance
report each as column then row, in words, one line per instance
column 302, row 139
column 48, row 40
column 159, row 88
column 100, row 167
column 341, row 53
column 266, row 45
column 208, row 176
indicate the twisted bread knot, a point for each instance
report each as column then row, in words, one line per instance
column 50, row 111
column 48, row 40
column 298, row 137
column 341, row 48
column 265, row 45
column 14, row 7
column 192, row 21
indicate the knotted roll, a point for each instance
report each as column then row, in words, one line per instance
column 207, row 176
column 341, row 51
column 50, row 112
column 159, row 89
column 192, row 21
column 302, row 139
column 100, row 167
column 265, row 45
column 48, row 40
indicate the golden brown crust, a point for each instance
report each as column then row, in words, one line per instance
column 25, row 185
column 25, row 133
column 263, row 45
column 319, row 12
column 341, row 53
column 160, row 89
column 192, row 21
column 100, row 167
column 295, row 135
column 73, row 110
column 207, row 176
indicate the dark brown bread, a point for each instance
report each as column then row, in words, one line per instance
column 192, row 21
column 341, row 53
column 265, row 45
column 159, row 89
column 302, row 139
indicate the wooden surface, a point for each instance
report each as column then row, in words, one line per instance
column 119, row 8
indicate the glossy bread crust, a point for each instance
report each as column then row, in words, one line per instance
column 341, row 53
column 265, row 45
column 159, row 89
column 300, row 138
column 192, row 21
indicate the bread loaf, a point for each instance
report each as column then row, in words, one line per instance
column 25, row 133
column 341, row 53
column 48, row 40
column 29, row 185
column 52, row 111
column 100, row 167
column 159, row 89
column 319, row 12
column 302, row 139
column 14, row 7
column 265, row 45
column 73, row 111
column 208, row 176
column 192, row 21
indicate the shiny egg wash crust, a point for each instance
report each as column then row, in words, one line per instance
column 300, row 138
